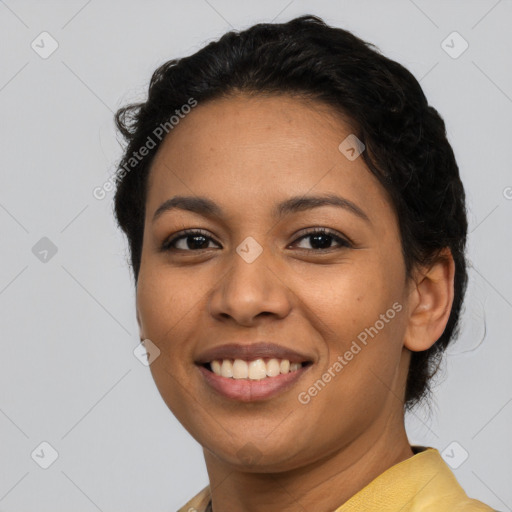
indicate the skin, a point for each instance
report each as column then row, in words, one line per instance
column 247, row 154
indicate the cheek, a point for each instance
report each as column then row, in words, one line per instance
column 349, row 298
column 358, row 382
column 164, row 302
column 166, row 311
column 361, row 317
column 167, row 314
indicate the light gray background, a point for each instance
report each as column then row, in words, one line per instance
column 67, row 371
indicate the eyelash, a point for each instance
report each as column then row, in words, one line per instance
column 343, row 243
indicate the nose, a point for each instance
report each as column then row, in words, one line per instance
column 249, row 292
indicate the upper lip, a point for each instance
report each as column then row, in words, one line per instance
column 249, row 352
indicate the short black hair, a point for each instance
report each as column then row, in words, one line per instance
column 405, row 138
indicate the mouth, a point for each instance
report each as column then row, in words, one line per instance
column 252, row 372
column 257, row 369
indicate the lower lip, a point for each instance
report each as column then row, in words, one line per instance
column 246, row 390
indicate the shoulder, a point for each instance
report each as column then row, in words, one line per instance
column 442, row 491
column 421, row 483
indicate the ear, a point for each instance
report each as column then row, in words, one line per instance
column 430, row 303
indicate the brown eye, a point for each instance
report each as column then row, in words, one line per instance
column 322, row 239
column 189, row 240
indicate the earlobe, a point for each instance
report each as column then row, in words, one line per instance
column 430, row 303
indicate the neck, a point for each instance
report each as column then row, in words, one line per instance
column 323, row 485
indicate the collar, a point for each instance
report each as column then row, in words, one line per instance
column 421, row 482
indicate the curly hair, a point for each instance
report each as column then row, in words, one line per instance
column 405, row 138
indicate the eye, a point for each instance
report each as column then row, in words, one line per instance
column 191, row 240
column 188, row 240
column 320, row 239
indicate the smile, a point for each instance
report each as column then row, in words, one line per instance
column 250, row 372
column 256, row 369
column 244, row 380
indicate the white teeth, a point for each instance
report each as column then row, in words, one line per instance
column 216, row 367
column 273, row 368
column 240, row 369
column 226, row 369
column 256, row 369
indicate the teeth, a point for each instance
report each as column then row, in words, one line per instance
column 216, row 367
column 240, row 369
column 226, row 369
column 253, row 370
column 257, row 369
column 273, row 368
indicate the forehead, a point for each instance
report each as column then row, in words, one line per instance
column 237, row 124
column 256, row 149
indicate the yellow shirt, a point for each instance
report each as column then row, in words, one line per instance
column 421, row 483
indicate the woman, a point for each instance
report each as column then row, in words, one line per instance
column 297, row 229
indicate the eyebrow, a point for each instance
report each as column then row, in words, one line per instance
column 208, row 208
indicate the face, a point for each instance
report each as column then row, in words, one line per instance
column 291, row 255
